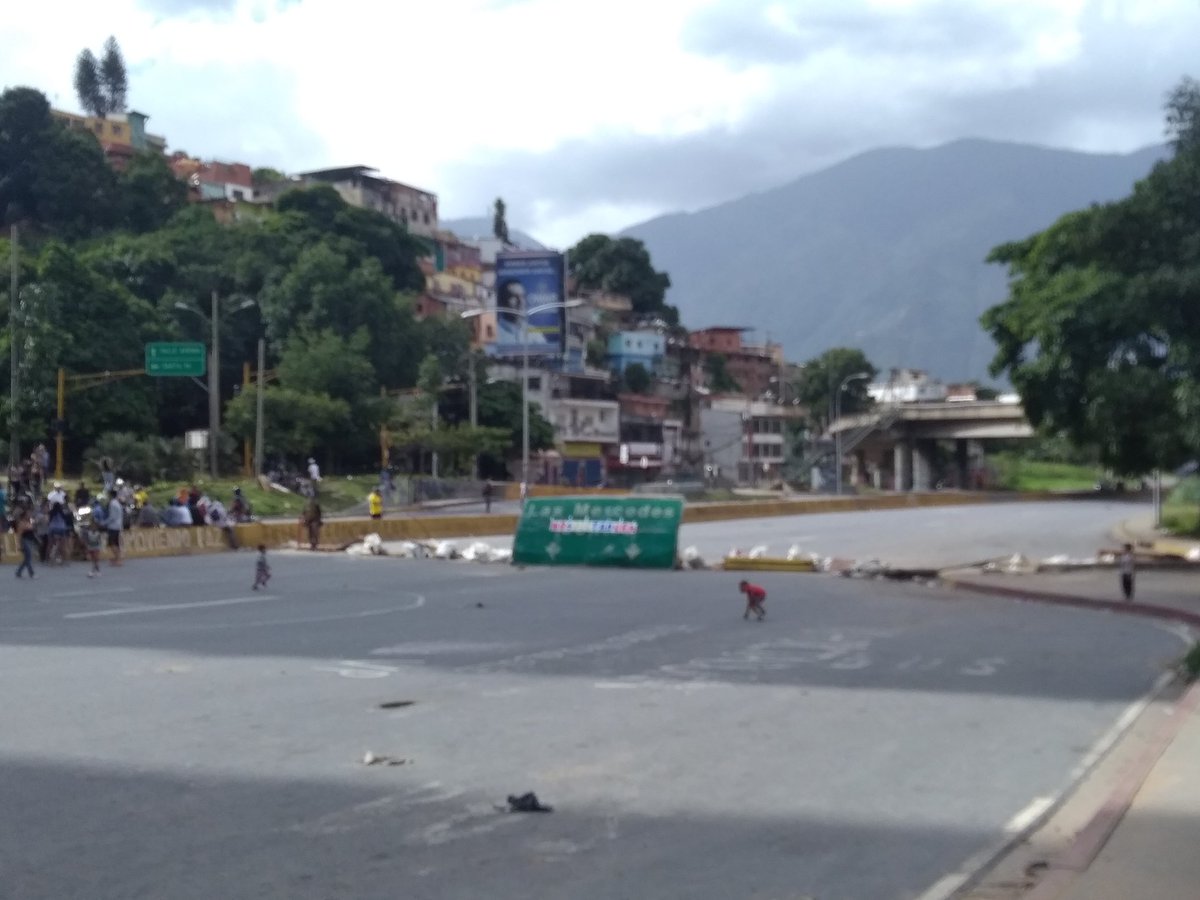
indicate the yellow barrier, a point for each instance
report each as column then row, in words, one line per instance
column 767, row 564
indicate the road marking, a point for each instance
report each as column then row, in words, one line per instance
column 1020, row 824
column 354, row 668
column 169, row 607
column 92, row 593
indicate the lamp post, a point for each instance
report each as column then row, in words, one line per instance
column 214, row 374
column 837, row 437
column 524, row 315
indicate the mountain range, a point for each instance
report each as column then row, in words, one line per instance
column 884, row 251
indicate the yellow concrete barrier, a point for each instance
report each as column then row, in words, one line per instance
column 767, row 564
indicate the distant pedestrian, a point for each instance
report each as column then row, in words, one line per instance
column 312, row 522
column 114, row 523
column 488, row 492
column 28, row 540
column 314, row 472
column 92, row 542
column 107, row 475
column 755, row 597
column 262, row 571
column 1126, row 567
column 375, row 503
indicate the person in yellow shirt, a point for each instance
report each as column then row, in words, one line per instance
column 140, row 496
column 375, row 503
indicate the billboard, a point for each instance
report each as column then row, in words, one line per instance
column 526, row 280
column 631, row 531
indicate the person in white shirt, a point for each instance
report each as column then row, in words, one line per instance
column 114, row 522
column 57, row 495
column 314, row 471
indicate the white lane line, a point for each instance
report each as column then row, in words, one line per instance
column 169, row 607
column 92, row 593
column 1025, row 820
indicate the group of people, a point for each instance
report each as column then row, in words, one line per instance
column 52, row 526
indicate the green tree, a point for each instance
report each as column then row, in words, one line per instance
column 719, row 379
column 88, row 87
column 267, row 175
column 824, row 374
column 112, row 76
column 635, row 378
column 500, row 221
column 622, row 266
column 295, row 423
column 1099, row 333
column 149, row 193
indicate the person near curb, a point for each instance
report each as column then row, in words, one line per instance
column 1126, row 567
column 262, row 571
column 755, row 596
column 312, row 522
column 92, row 541
column 375, row 503
column 28, row 540
column 488, row 491
column 114, row 522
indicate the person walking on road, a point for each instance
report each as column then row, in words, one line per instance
column 25, row 534
column 1126, row 567
column 262, row 571
column 114, row 522
column 312, row 522
column 755, row 596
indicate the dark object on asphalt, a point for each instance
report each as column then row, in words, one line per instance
column 527, row 803
column 479, row 606
column 396, row 704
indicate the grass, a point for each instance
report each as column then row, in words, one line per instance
column 1018, row 474
column 1181, row 509
column 338, row 493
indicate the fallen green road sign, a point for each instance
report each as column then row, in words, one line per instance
column 635, row 531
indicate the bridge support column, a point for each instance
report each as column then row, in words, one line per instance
column 902, row 464
column 922, row 465
column 962, row 464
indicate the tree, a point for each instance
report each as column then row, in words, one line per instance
column 112, row 76
column 1100, row 334
column 719, row 379
column 499, row 221
column 149, row 193
column 823, row 376
column 636, row 378
column 88, row 86
column 622, row 267
column 267, row 175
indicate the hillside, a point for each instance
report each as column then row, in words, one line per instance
column 883, row 251
column 476, row 227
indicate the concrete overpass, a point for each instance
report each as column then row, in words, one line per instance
column 897, row 446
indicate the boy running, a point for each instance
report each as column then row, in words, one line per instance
column 262, row 572
column 755, row 596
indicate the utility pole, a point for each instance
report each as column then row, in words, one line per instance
column 214, row 392
column 258, row 416
column 14, row 377
column 473, row 410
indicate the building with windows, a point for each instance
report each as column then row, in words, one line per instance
column 746, row 441
column 364, row 187
column 753, row 367
column 645, row 347
column 121, row 135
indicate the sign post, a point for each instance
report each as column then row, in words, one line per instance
column 175, row 358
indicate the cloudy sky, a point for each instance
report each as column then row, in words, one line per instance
column 591, row 116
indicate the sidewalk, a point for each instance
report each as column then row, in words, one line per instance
column 1144, row 841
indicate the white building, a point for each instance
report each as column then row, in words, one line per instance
column 907, row 386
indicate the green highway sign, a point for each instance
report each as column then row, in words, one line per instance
column 172, row 358
column 631, row 531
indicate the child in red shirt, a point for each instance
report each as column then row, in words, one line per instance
column 755, row 596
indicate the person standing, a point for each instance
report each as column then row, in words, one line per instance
column 1126, row 567
column 312, row 522
column 488, row 492
column 92, row 541
column 375, row 503
column 28, row 540
column 262, row 571
column 114, row 522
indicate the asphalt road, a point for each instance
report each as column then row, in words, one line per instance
column 170, row 734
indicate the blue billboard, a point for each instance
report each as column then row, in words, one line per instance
column 526, row 280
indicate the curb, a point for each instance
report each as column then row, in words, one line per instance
column 1145, row 610
column 1090, row 840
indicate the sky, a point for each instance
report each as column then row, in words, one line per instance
column 592, row 116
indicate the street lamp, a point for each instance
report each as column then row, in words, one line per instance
column 837, row 437
column 214, row 368
column 524, row 315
